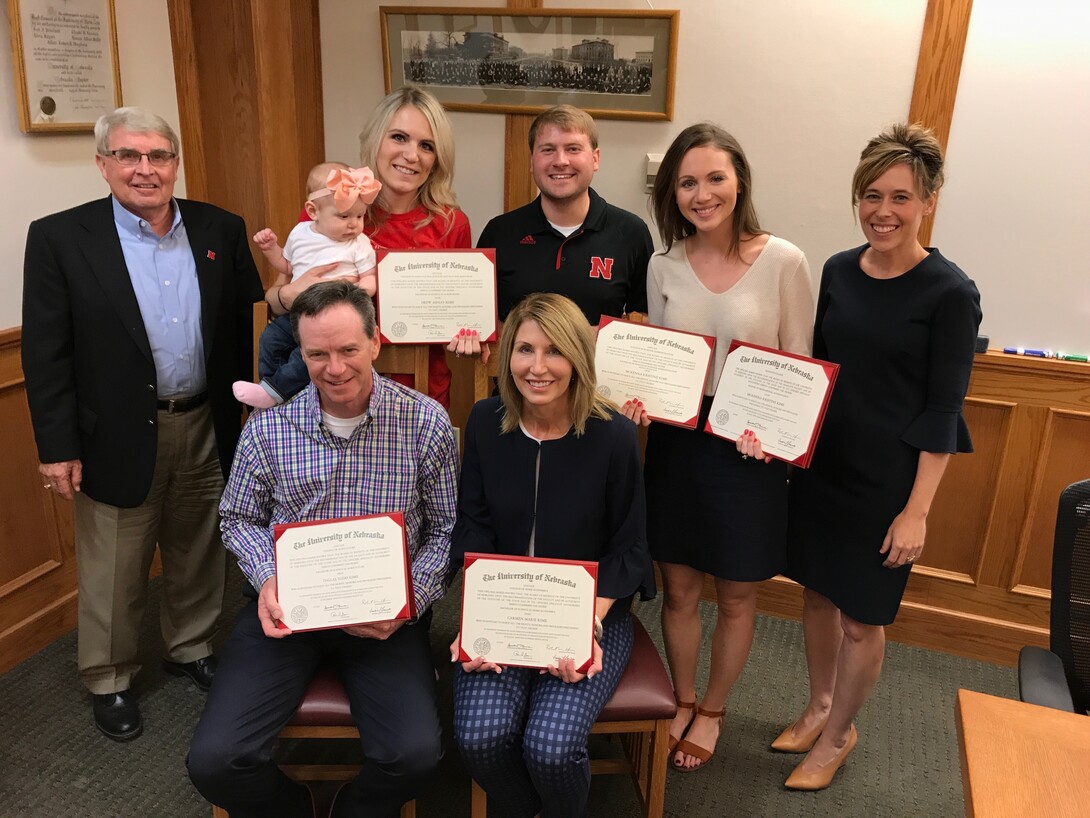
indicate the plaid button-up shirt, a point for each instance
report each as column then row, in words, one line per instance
column 290, row 468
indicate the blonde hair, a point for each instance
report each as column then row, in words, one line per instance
column 567, row 329
column 319, row 173
column 566, row 118
column 437, row 192
column 901, row 144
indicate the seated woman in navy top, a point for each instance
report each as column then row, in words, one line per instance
column 551, row 469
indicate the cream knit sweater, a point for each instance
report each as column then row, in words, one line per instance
column 772, row 304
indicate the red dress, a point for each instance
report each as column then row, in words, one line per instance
column 399, row 231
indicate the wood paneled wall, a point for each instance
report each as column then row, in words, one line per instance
column 981, row 588
column 37, row 558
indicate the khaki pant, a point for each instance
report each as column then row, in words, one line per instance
column 114, row 550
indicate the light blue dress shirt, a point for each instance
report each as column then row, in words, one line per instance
column 164, row 277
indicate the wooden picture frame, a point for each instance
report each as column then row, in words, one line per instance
column 615, row 64
column 64, row 58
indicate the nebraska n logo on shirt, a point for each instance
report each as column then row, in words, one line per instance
column 601, row 267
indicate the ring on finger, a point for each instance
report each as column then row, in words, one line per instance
column 47, row 486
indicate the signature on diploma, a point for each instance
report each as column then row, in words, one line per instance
column 671, row 408
column 787, row 439
column 377, row 606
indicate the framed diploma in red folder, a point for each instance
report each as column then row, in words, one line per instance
column 348, row 571
column 527, row 611
column 426, row 296
column 780, row 396
column 664, row 368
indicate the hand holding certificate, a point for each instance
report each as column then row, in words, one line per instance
column 338, row 573
column 780, row 396
column 528, row 612
column 426, row 296
column 664, row 368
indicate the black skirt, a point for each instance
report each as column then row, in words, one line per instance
column 710, row 509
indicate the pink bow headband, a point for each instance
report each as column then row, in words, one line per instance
column 346, row 186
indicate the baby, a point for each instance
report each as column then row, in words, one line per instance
column 337, row 198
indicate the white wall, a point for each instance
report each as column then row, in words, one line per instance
column 1016, row 206
column 802, row 85
column 41, row 173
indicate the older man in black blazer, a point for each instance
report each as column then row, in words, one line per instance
column 136, row 320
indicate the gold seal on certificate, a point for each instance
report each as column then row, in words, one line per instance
column 426, row 296
column 350, row 571
column 664, row 368
column 527, row 611
column 780, row 396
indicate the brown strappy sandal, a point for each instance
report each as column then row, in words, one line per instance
column 695, row 750
column 672, row 743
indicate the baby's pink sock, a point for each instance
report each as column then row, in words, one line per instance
column 253, row 394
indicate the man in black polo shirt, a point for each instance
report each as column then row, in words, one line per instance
column 569, row 240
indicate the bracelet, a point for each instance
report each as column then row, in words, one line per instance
column 281, row 300
column 598, row 629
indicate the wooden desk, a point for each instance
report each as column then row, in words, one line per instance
column 1021, row 760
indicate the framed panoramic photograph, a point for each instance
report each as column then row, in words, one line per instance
column 64, row 55
column 613, row 64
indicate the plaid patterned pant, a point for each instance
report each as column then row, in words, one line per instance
column 523, row 735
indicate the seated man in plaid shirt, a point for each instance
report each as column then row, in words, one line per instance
column 351, row 443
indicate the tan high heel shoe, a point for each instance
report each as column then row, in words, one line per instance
column 799, row 780
column 790, row 741
column 671, row 744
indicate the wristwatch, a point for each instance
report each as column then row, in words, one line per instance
column 597, row 628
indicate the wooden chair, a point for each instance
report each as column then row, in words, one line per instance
column 639, row 712
column 403, row 359
column 322, row 714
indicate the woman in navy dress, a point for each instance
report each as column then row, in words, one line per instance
column 901, row 320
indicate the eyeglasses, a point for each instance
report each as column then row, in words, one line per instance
column 129, row 158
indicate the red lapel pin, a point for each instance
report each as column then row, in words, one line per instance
column 211, row 255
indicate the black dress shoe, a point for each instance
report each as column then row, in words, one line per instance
column 201, row 671
column 117, row 715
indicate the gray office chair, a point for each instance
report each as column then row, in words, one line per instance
column 1060, row 677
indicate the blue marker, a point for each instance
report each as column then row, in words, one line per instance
column 1034, row 353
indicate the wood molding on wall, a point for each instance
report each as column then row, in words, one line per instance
column 938, row 69
column 518, row 182
column 249, row 84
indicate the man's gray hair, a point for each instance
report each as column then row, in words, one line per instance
column 137, row 120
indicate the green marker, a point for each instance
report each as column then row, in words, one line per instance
column 1063, row 356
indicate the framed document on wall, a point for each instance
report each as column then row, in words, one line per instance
column 64, row 56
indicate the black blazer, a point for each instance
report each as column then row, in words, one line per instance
column 90, row 377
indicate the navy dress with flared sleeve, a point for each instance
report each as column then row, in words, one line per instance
column 905, row 348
